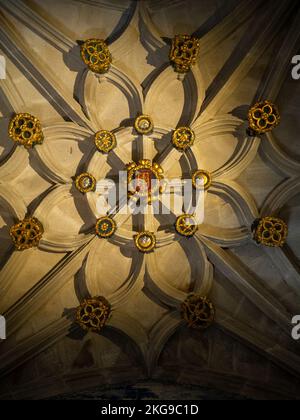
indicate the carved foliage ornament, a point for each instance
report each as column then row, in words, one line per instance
column 145, row 241
column 201, row 179
column 186, row 225
column 184, row 52
column 93, row 313
column 26, row 233
column 96, row 55
column 105, row 141
column 270, row 231
column 263, row 117
column 144, row 179
column 198, row 311
column 26, row 130
column 183, row 138
column 143, row 124
column 85, row 183
column 105, row 227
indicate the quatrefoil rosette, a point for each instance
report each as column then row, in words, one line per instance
column 178, row 266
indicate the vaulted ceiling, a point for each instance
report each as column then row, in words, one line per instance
column 245, row 55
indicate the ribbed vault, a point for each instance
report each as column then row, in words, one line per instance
column 245, row 55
